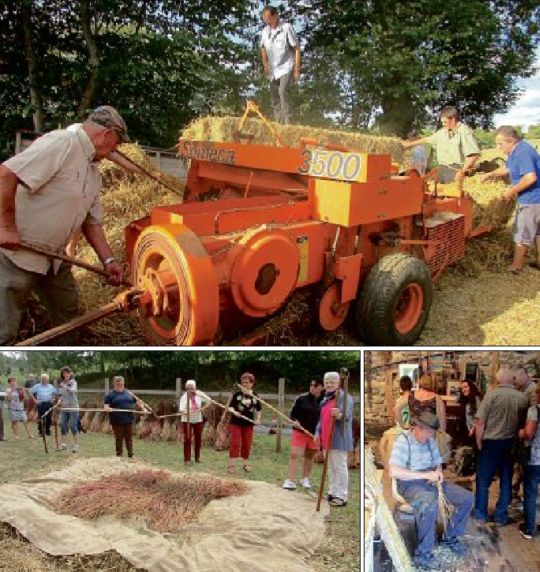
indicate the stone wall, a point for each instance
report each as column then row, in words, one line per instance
column 376, row 411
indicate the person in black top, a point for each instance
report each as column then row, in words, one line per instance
column 243, row 403
column 122, row 422
column 305, row 412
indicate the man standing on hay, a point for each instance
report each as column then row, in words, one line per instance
column 280, row 52
column 415, row 463
column 523, row 166
column 48, row 192
column 456, row 148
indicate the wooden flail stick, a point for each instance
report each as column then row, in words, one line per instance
column 277, row 411
column 236, row 414
column 103, row 410
column 327, row 455
column 344, row 375
column 43, row 422
column 147, row 407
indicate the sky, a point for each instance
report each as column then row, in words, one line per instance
column 526, row 110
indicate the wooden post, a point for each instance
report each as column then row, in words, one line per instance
column 494, row 368
column 367, row 379
column 389, row 393
column 281, row 406
column 107, row 386
column 178, row 389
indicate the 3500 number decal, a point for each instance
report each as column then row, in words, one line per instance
column 333, row 165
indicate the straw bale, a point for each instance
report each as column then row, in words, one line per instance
column 145, row 429
column 163, row 502
column 167, row 434
column 157, row 427
column 222, row 129
column 97, row 422
column 106, row 426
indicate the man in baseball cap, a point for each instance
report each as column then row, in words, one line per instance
column 107, row 116
column 415, row 462
column 49, row 192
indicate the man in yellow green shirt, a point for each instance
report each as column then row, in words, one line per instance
column 456, row 148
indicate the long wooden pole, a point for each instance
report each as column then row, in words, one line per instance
column 204, row 396
column 277, row 411
column 327, row 455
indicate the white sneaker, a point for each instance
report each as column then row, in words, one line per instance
column 62, row 447
column 289, row 485
column 75, row 448
column 305, row 483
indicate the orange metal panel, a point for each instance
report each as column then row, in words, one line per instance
column 315, row 162
column 241, row 177
column 347, row 269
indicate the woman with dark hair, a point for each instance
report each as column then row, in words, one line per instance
column 424, row 399
column 69, row 419
column 469, row 399
column 243, row 402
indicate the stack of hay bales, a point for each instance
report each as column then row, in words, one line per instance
column 223, row 129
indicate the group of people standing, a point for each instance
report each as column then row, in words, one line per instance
column 314, row 413
column 507, row 414
column 46, row 397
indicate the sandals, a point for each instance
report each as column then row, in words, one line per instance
column 247, row 468
column 231, row 470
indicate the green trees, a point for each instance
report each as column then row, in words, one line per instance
column 216, row 370
column 160, row 63
column 404, row 59
column 388, row 65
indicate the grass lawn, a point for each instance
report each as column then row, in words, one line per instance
column 26, row 458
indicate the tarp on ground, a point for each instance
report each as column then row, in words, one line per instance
column 264, row 530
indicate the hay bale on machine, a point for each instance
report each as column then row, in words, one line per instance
column 223, row 129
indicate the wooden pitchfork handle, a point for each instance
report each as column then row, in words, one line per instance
column 325, row 465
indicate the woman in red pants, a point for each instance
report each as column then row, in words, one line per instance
column 243, row 403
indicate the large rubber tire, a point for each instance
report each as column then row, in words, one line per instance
column 394, row 302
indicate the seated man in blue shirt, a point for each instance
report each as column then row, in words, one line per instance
column 523, row 166
column 416, row 464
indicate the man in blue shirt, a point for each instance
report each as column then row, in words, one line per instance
column 43, row 395
column 415, row 462
column 523, row 166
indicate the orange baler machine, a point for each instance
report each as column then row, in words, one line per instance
column 279, row 218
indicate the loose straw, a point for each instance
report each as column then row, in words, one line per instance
column 277, row 411
column 446, row 508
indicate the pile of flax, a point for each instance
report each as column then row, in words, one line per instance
column 164, row 502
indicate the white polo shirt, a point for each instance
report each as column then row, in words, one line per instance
column 59, row 191
column 279, row 44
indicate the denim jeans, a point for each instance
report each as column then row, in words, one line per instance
column 531, row 480
column 422, row 496
column 494, row 456
column 69, row 419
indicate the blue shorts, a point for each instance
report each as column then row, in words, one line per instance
column 527, row 224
